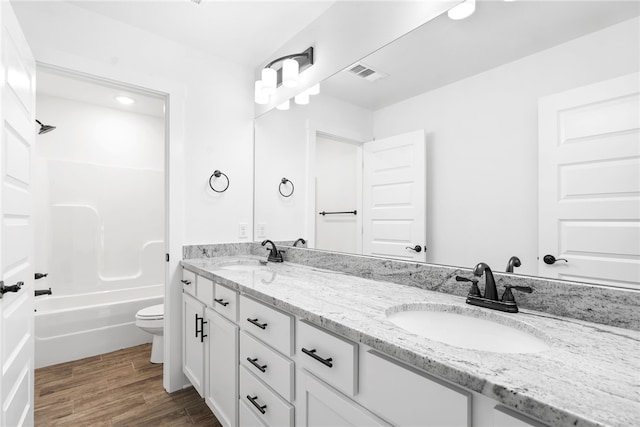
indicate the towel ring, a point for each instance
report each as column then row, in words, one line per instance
column 217, row 174
column 283, row 181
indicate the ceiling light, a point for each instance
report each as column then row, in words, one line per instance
column 303, row 98
column 125, row 100
column 286, row 75
column 463, row 10
column 259, row 96
column 314, row 90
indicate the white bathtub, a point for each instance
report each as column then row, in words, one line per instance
column 76, row 326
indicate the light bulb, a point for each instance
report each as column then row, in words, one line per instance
column 303, row 98
column 463, row 10
column 290, row 69
column 314, row 90
column 284, row 105
column 269, row 81
column 125, row 100
column 259, row 96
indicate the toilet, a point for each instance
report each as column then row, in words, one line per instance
column 151, row 320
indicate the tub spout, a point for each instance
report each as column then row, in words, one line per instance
column 39, row 292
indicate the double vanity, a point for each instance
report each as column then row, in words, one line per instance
column 284, row 344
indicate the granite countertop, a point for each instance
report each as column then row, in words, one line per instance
column 590, row 376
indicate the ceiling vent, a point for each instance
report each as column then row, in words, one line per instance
column 362, row 70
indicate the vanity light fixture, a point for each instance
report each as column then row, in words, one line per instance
column 284, row 106
column 125, row 100
column 273, row 75
column 463, row 10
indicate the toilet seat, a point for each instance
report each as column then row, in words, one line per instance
column 154, row 312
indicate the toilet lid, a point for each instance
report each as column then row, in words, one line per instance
column 153, row 311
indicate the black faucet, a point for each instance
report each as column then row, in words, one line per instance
column 39, row 292
column 490, row 299
column 275, row 255
column 514, row 261
column 300, row 240
column 490, row 291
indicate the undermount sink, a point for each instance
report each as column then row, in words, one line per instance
column 245, row 265
column 468, row 328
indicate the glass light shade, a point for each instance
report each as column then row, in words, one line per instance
column 314, row 90
column 290, row 69
column 284, row 105
column 259, row 96
column 303, row 98
column 269, row 81
column 463, row 10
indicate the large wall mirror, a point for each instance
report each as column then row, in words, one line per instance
column 513, row 132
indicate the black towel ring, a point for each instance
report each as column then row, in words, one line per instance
column 282, row 182
column 217, row 174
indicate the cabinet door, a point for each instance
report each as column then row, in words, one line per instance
column 192, row 341
column 222, row 368
column 324, row 406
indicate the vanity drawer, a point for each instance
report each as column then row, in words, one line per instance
column 226, row 302
column 263, row 402
column 422, row 399
column 189, row 281
column 278, row 370
column 268, row 324
column 331, row 358
column 248, row 418
column 204, row 290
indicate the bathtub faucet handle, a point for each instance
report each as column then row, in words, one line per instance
column 40, row 275
column 13, row 288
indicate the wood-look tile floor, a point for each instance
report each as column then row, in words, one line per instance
column 115, row 389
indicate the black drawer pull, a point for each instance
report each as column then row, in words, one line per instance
column 312, row 353
column 261, row 408
column 262, row 368
column 255, row 322
column 221, row 302
column 186, row 282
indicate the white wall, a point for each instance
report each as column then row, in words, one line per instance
column 482, row 146
column 99, row 193
column 282, row 143
column 210, row 114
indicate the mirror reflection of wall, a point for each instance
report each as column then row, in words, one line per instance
column 474, row 87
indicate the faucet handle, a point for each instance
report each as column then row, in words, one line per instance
column 474, row 291
column 508, row 295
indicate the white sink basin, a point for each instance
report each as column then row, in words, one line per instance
column 471, row 329
column 244, row 267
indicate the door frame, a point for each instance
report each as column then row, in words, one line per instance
column 174, row 98
column 351, row 136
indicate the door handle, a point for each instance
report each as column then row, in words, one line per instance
column 13, row 288
column 550, row 259
column 416, row 248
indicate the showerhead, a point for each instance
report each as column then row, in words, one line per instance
column 44, row 128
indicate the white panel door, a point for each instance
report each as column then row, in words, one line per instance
column 589, row 183
column 17, row 131
column 395, row 197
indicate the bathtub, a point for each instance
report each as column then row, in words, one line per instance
column 71, row 327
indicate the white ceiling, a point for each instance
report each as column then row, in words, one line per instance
column 444, row 51
column 246, row 32
column 81, row 89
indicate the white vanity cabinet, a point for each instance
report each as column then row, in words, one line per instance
column 256, row 365
column 321, row 405
column 192, row 341
column 221, row 368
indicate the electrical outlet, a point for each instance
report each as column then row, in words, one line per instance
column 242, row 230
column 262, row 230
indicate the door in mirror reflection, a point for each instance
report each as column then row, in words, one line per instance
column 394, row 193
column 589, row 210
